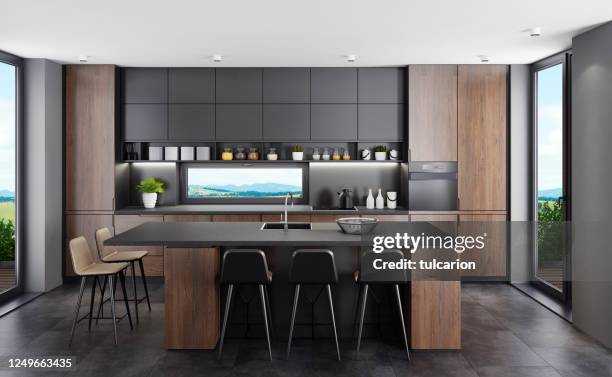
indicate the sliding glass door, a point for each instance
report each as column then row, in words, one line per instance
column 551, row 136
column 9, row 120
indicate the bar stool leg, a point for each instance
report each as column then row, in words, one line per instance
column 264, row 308
column 144, row 282
column 101, row 307
column 94, row 282
column 228, row 302
column 401, row 313
column 357, row 307
column 331, row 308
column 125, row 298
column 135, row 292
column 364, row 300
column 296, row 297
column 270, row 321
column 76, row 310
column 111, row 279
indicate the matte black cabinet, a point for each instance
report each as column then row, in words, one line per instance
column 381, row 85
column 238, row 122
column 333, row 85
column 145, row 122
column 239, row 85
column 333, row 122
column 191, row 85
column 145, row 85
column 286, row 85
column 191, row 122
column 381, row 122
column 286, row 122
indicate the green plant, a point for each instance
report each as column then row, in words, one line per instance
column 297, row 148
column 150, row 185
column 7, row 240
column 551, row 232
column 380, row 148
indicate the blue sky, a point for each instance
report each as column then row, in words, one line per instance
column 550, row 128
column 7, row 127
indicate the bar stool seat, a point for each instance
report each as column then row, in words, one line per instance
column 125, row 256
column 103, row 269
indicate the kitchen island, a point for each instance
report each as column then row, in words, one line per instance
column 192, row 259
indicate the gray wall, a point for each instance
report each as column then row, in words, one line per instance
column 520, row 170
column 591, row 182
column 43, row 175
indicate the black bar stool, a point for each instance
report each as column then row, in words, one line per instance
column 368, row 275
column 313, row 267
column 245, row 266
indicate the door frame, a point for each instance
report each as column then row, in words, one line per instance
column 565, row 58
column 19, row 231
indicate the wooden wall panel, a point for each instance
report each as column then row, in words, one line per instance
column 482, row 112
column 292, row 218
column 432, row 112
column 435, row 315
column 492, row 260
column 192, row 298
column 187, row 218
column 236, row 218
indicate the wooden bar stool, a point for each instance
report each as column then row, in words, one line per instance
column 313, row 267
column 85, row 266
column 110, row 255
column 241, row 267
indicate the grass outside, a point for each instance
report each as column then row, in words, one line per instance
column 7, row 211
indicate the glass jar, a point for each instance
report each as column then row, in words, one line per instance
column 316, row 155
column 272, row 155
column 346, row 155
column 336, row 155
column 253, row 154
column 325, row 155
column 240, row 155
column 227, row 154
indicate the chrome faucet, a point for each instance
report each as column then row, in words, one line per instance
column 289, row 195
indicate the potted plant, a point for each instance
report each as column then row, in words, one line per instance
column 149, row 188
column 380, row 153
column 297, row 152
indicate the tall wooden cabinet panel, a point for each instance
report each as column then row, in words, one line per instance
column 482, row 136
column 432, row 112
column 84, row 225
column 491, row 261
column 90, row 137
column 154, row 262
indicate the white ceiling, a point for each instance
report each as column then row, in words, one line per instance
column 293, row 33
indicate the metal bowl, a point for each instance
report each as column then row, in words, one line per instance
column 357, row 225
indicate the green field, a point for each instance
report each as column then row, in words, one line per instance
column 7, row 211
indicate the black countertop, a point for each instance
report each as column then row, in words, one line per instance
column 208, row 234
column 243, row 209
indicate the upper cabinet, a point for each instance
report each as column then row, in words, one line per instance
column 286, row 85
column 333, row 122
column 145, row 85
column 432, row 112
column 381, row 85
column 239, row 85
column 238, row 122
column 482, row 130
column 333, row 85
column 191, row 85
column 384, row 122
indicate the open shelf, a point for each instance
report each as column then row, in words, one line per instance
column 266, row 161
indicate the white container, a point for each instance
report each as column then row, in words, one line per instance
column 203, row 153
column 393, row 155
column 316, row 157
column 149, row 199
column 370, row 200
column 171, row 153
column 380, row 200
column 380, row 156
column 156, row 153
column 366, row 155
column 391, row 199
column 297, row 156
column 187, row 153
column 272, row 156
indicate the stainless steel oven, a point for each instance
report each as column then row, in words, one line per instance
column 432, row 186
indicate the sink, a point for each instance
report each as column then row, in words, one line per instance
column 304, row 226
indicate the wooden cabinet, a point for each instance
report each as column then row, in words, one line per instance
column 389, row 217
column 245, row 218
column 432, row 112
column 187, row 218
column 435, row 314
column 154, row 262
column 491, row 261
column 292, row 218
column 482, row 111
column 90, row 137
column 84, row 225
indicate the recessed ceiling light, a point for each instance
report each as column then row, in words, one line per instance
column 351, row 58
column 535, row 31
column 483, row 58
column 83, row 58
column 217, row 58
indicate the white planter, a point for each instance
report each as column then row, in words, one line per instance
column 149, row 199
column 297, row 155
column 380, row 156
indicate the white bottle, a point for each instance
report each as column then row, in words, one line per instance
column 380, row 201
column 370, row 200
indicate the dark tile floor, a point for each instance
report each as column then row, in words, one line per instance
column 505, row 334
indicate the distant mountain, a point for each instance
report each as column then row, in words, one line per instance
column 257, row 187
column 550, row 194
column 7, row 194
